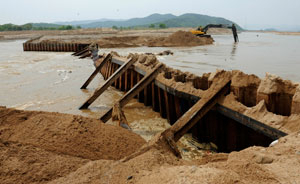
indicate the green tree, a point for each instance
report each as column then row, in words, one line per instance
column 151, row 26
column 78, row 27
column 69, row 27
column 115, row 27
column 27, row 26
column 162, row 26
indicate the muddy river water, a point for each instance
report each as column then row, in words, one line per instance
column 51, row 81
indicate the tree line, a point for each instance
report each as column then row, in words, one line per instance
column 30, row 26
column 152, row 26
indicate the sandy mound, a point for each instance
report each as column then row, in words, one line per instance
column 278, row 164
column 121, row 172
column 180, row 38
column 177, row 39
column 67, row 134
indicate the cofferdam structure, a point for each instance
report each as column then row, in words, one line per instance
column 229, row 108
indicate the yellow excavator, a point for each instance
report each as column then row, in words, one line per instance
column 202, row 31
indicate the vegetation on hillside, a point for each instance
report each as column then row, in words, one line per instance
column 154, row 21
column 37, row 26
column 135, row 22
column 169, row 20
column 195, row 20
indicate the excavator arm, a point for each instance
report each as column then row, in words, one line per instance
column 202, row 31
column 205, row 29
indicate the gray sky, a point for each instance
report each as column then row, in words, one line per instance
column 248, row 13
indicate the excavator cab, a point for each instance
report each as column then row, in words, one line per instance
column 199, row 32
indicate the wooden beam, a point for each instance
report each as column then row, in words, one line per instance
column 134, row 91
column 119, row 115
column 106, row 76
column 107, row 83
column 205, row 104
column 98, row 68
column 251, row 123
column 80, row 52
column 86, row 54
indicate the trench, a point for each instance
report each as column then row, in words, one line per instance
column 226, row 133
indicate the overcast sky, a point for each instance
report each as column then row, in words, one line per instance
column 247, row 13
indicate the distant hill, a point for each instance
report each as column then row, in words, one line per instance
column 35, row 26
column 81, row 22
column 195, row 20
column 168, row 20
column 152, row 19
column 185, row 20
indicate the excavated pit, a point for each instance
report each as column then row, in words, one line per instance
column 278, row 94
column 228, row 135
column 180, row 78
column 173, row 93
column 244, row 87
column 201, row 83
column 168, row 75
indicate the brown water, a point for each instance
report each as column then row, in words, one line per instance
column 51, row 81
column 256, row 53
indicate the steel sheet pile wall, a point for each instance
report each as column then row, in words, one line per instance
column 53, row 47
column 225, row 132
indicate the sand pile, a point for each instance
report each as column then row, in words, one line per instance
column 179, row 39
column 40, row 146
column 121, row 42
column 25, row 163
column 277, row 164
column 68, row 134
